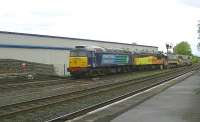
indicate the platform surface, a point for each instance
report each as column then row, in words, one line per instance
column 179, row 103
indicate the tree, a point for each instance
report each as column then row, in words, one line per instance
column 183, row 48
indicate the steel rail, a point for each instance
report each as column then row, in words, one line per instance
column 84, row 111
column 79, row 94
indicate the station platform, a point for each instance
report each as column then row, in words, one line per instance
column 175, row 101
column 179, row 103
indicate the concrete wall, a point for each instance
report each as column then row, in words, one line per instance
column 51, row 50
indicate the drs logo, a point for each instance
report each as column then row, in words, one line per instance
column 114, row 59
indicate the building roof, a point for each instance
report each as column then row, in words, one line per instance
column 61, row 37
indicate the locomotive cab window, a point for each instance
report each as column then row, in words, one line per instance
column 78, row 53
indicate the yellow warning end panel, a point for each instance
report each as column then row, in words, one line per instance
column 78, row 62
column 146, row 60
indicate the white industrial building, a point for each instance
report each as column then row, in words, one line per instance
column 52, row 49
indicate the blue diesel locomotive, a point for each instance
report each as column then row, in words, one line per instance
column 96, row 60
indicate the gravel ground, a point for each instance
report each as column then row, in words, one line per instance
column 17, row 96
column 70, row 106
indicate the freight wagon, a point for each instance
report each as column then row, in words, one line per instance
column 184, row 60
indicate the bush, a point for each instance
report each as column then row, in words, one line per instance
column 195, row 59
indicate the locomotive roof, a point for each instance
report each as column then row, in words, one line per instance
column 148, row 54
column 101, row 49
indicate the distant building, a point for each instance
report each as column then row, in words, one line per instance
column 53, row 49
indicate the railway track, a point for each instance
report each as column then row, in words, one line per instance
column 10, row 111
column 22, row 94
column 84, row 111
column 32, row 84
column 4, row 87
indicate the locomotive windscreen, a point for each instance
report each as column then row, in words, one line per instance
column 78, row 53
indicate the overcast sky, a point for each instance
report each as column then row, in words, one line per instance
column 148, row 22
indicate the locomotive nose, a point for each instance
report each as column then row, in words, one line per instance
column 78, row 62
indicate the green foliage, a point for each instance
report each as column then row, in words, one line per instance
column 183, row 48
column 195, row 59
